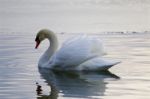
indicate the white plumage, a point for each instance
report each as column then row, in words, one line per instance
column 79, row 53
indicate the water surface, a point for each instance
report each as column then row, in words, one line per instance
column 19, row 73
column 129, row 79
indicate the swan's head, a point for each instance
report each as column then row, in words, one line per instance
column 41, row 35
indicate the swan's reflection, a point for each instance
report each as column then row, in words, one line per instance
column 75, row 84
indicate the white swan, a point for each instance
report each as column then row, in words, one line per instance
column 79, row 53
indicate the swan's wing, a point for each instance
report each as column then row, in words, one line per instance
column 76, row 51
column 97, row 63
column 93, row 44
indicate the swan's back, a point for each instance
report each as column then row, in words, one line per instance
column 78, row 50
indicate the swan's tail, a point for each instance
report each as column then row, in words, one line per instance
column 97, row 64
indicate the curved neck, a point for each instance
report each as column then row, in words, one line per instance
column 53, row 44
column 52, row 47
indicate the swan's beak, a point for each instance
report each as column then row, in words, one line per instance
column 37, row 44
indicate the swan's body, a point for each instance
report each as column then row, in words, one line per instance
column 81, row 53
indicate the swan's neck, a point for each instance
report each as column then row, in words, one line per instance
column 53, row 44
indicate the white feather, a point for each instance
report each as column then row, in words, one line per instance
column 79, row 53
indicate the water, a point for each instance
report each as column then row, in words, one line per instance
column 21, row 19
column 75, row 15
column 129, row 79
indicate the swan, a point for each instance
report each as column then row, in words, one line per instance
column 78, row 53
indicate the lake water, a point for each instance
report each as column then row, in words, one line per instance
column 129, row 79
column 75, row 15
column 20, row 77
